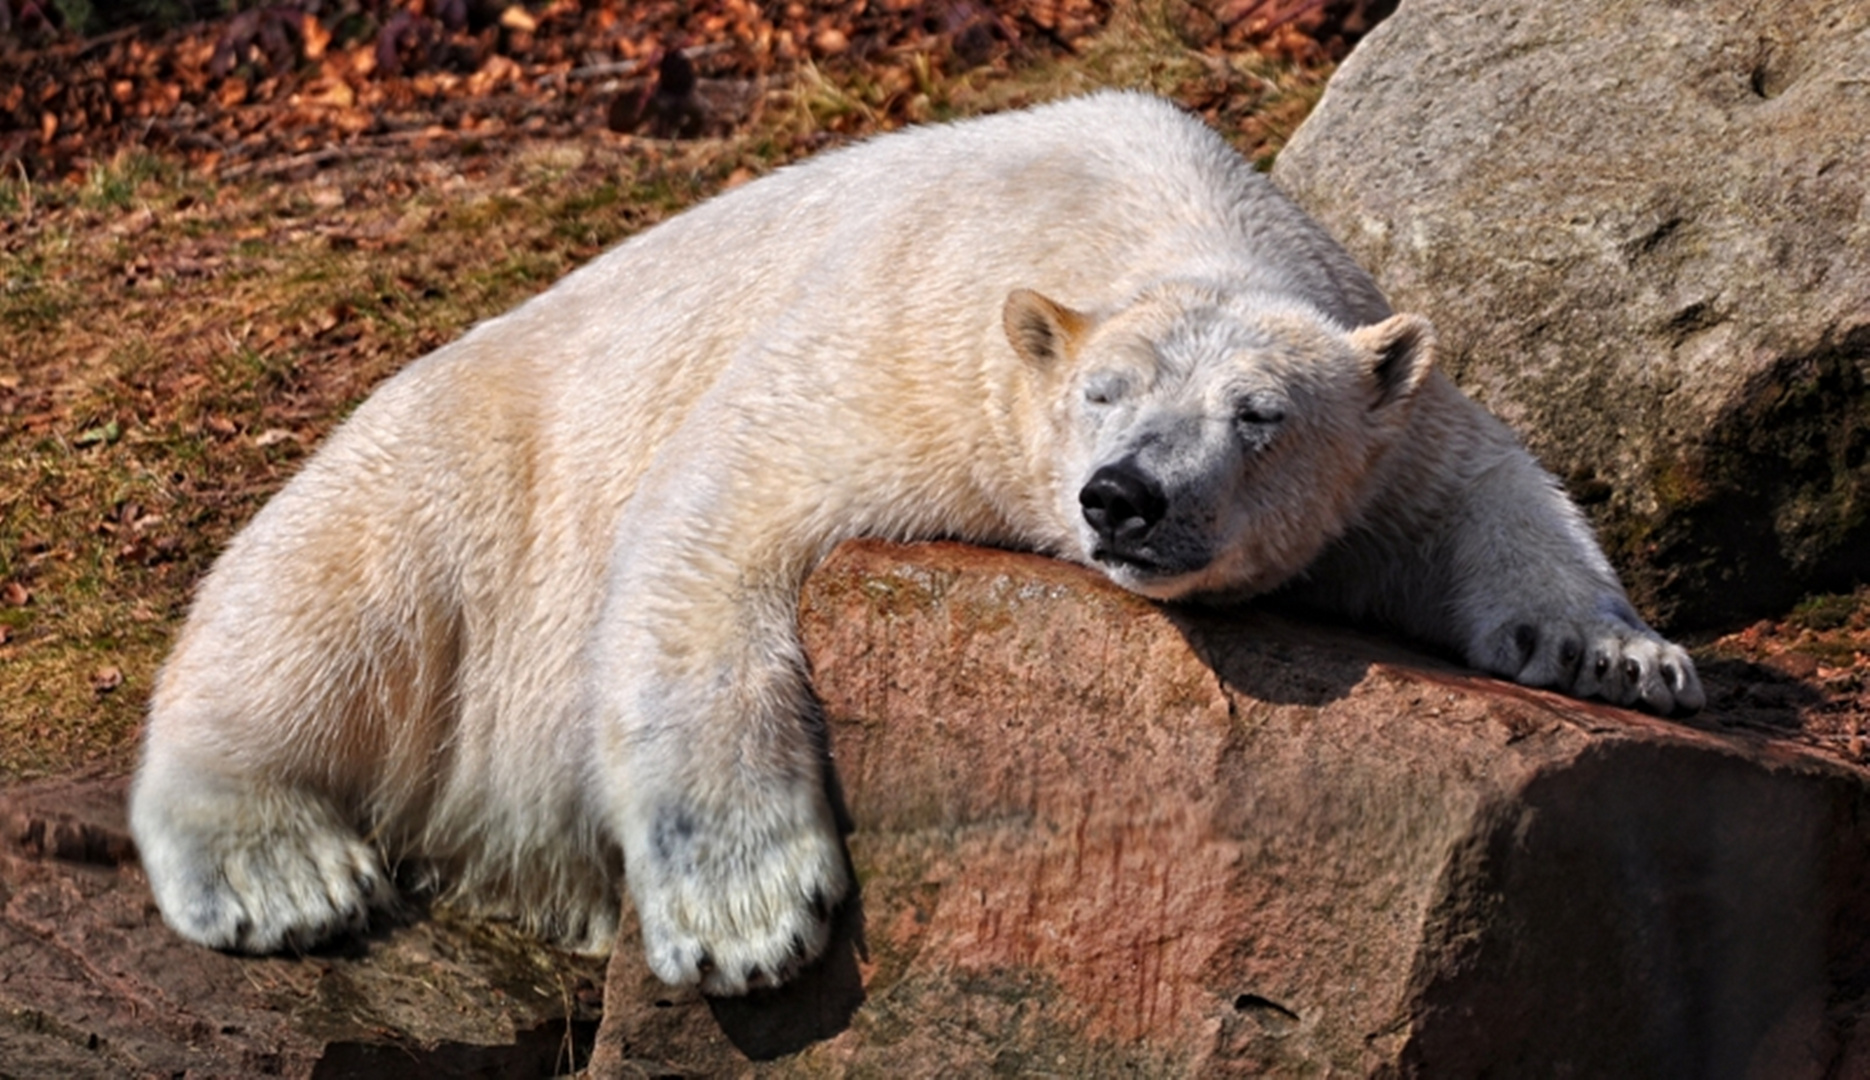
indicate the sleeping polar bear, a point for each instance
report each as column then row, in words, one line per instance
column 528, row 618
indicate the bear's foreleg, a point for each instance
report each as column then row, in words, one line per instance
column 1470, row 543
column 711, row 756
column 1535, row 600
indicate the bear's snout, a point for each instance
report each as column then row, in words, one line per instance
column 1122, row 506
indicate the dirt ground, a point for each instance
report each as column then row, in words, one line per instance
column 216, row 239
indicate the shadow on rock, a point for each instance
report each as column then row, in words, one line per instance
column 817, row 1004
column 1652, row 910
column 1274, row 651
column 555, row 1048
column 1741, row 692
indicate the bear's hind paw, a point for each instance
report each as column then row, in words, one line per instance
column 264, row 883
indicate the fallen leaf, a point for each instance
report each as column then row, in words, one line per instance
column 106, row 679
column 830, row 41
column 273, row 436
column 103, row 433
column 518, row 18
column 15, row 594
column 315, row 36
column 334, row 94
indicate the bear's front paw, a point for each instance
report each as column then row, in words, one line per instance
column 740, row 901
column 1611, row 656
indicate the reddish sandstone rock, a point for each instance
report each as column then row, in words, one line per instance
column 1098, row 836
column 1095, row 836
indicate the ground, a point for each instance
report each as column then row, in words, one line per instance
column 216, row 239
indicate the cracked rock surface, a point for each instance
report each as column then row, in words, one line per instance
column 92, row 984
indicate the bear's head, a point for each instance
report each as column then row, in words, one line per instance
column 1213, row 441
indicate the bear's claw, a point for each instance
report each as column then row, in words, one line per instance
column 1629, row 664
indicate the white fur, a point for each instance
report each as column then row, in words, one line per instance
column 532, row 607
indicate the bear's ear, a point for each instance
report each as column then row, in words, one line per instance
column 1402, row 350
column 1044, row 333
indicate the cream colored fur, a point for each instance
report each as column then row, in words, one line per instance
column 527, row 619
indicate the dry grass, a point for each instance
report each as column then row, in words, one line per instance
column 170, row 346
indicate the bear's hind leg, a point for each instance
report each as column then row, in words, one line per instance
column 249, row 867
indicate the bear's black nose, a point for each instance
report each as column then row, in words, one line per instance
column 1122, row 504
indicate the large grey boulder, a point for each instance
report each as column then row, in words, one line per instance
column 1643, row 231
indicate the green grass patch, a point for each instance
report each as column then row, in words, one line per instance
column 115, row 184
column 1828, row 611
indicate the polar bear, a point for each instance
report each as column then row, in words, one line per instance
column 524, row 628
